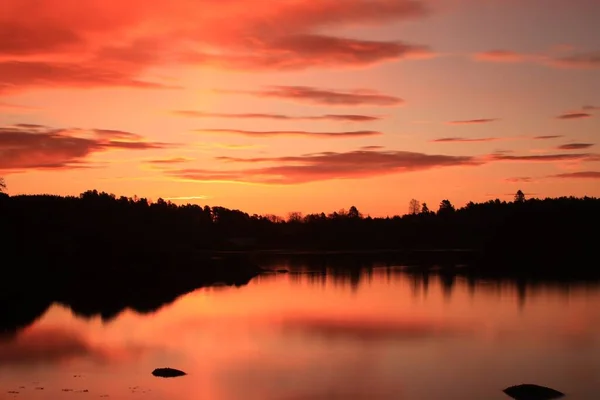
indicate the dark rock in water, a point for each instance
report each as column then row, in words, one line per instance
column 168, row 372
column 532, row 392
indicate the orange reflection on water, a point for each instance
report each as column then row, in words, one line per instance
column 376, row 335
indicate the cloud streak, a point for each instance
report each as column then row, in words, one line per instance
column 28, row 146
column 585, row 60
column 465, row 140
column 169, row 161
column 547, row 137
column 575, row 115
column 279, row 117
column 348, row 134
column 320, row 96
column 324, row 166
column 578, row 175
column 575, row 146
column 546, row 157
column 473, row 121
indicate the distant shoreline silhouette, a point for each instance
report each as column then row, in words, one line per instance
column 101, row 225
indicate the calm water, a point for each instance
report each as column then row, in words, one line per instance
column 377, row 335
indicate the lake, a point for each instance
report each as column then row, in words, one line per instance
column 375, row 333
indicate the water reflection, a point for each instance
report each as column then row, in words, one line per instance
column 323, row 332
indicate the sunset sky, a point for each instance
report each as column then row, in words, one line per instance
column 272, row 106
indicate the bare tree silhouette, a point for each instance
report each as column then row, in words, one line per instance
column 414, row 207
column 2, row 185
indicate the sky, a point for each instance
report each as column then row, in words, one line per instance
column 272, row 106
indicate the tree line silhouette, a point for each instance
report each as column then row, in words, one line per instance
column 101, row 225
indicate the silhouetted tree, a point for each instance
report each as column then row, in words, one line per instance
column 2, row 185
column 446, row 207
column 519, row 197
column 414, row 207
column 425, row 209
column 353, row 213
column 294, row 216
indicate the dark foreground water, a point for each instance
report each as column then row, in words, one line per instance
column 375, row 334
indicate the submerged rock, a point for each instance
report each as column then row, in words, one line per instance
column 532, row 392
column 168, row 372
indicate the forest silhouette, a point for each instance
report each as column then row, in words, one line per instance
column 102, row 226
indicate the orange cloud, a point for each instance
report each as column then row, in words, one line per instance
column 500, row 56
column 291, row 133
column 473, row 121
column 575, row 146
column 28, row 146
column 581, row 175
column 465, row 140
column 327, row 97
column 591, row 108
column 324, row 166
column 113, row 43
column 326, row 117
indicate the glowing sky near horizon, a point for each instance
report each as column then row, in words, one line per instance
column 301, row 105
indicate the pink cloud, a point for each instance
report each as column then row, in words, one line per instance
column 28, row 146
column 324, row 166
column 591, row 108
column 113, row 43
column 575, row 146
column 290, row 133
column 281, row 117
column 168, row 161
column 473, row 121
column 16, row 75
column 579, row 175
column 546, row 157
column 330, row 97
column 547, row 137
column 574, row 115
column 465, row 140
column 311, row 51
column 587, row 60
